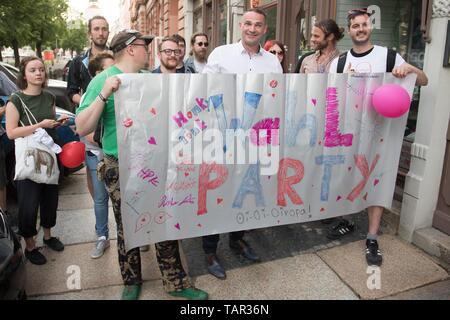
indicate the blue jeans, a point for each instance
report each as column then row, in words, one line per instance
column 100, row 197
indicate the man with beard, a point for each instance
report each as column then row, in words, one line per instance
column 131, row 54
column 182, row 68
column 169, row 55
column 198, row 59
column 246, row 56
column 79, row 76
column 78, row 80
column 365, row 57
column 324, row 38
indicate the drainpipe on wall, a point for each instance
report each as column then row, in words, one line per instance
column 427, row 153
column 188, row 6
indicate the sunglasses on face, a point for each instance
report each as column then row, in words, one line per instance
column 201, row 44
column 277, row 53
column 141, row 45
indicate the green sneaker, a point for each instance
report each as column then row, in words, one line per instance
column 131, row 292
column 190, row 294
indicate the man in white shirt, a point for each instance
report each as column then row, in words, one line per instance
column 364, row 57
column 246, row 56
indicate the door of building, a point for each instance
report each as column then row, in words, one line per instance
column 441, row 218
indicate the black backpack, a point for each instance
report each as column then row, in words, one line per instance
column 390, row 63
column 299, row 63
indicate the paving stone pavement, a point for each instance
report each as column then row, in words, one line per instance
column 298, row 263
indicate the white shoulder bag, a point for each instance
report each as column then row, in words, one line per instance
column 35, row 155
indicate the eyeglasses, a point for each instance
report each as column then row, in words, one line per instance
column 278, row 53
column 142, row 45
column 169, row 52
column 201, row 44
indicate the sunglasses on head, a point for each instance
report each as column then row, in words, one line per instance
column 359, row 11
column 201, row 44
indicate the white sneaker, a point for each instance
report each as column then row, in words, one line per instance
column 100, row 246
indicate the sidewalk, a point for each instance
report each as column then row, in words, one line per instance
column 298, row 263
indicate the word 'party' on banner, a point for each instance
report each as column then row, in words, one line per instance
column 206, row 154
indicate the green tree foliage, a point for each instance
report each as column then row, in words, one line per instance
column 15, row 27
column 75, row 38
column 49, row 22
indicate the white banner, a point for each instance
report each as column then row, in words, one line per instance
column 206, row 154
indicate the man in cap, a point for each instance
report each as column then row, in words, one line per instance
column 130, row 50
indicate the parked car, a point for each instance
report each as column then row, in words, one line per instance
column 56, row 87
column 66, row 133
column 12, row 263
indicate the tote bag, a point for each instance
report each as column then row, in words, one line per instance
column 34, row 160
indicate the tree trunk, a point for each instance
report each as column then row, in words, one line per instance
column 15, row 45
column 39, row 49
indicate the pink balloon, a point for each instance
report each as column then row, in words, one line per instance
column 391, row 100
column 72, row 154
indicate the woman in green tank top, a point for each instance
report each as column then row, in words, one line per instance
column 31, row 196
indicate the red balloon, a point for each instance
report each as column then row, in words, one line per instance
column 73, row 154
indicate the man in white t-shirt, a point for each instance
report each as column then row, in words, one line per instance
column 246, row 56
column 364, row 57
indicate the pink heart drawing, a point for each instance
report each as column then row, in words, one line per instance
column 273, row 95
column 128, row 123
column 219, row 200
column 376, row 182
column 314, row 101
column 152, row 141
column 338, row 198
column 178, row 226
column 153, row 110
column 186, row 174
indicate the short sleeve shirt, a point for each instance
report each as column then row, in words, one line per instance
column 41, row 106
column 372, row 61
column 108, row 117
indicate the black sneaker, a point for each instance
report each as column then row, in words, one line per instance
column 35, row 257
column 373, row 254
column 54, row 244
column 328, row 221
column 340, row 229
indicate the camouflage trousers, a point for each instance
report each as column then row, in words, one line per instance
column 167, row 253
